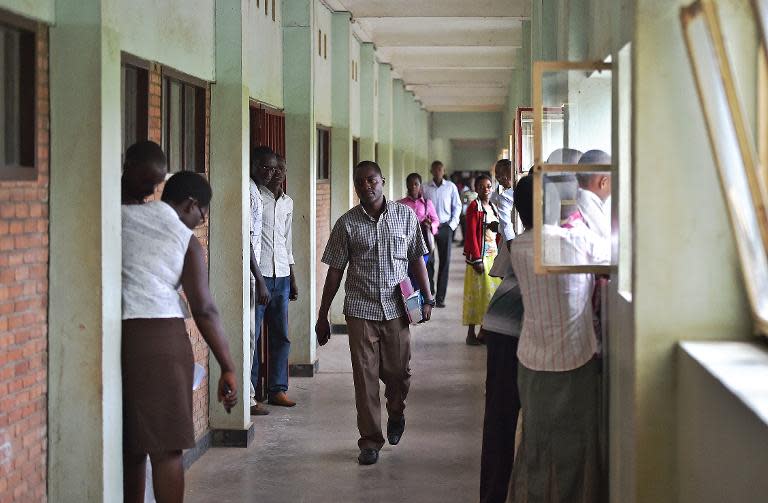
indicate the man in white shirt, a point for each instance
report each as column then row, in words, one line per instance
column 558, row 374
column 445, row 197
column 504, row 200
column 263, row 166
column 277, row 267
column 594, row 195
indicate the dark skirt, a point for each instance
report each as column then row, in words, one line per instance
column 158, row 369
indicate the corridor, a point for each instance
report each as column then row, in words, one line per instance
column 309, row 453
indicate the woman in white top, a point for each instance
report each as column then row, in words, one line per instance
column 160, row 255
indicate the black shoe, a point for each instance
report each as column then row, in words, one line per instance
column 395, row 429
column 368, row 456
column 472, row 341
column 440, row 304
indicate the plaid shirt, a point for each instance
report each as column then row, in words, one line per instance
column 378, row 253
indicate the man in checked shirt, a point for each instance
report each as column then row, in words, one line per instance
column 379, row 240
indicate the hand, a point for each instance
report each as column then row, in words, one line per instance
column 294, row 293
column 478, row 267
column 426, row 312
column 494, row 226
column 427, row 221
column 262, row 293
column 323, row 331
column 228, row 390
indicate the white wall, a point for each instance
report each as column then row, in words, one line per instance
column 323, row 66
column 264, row 65
column 39, row 10
column 176, row 33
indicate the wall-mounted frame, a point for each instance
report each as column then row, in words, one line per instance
column 551, row 123
column 733, row 149
column 564, row 241
column 760, row 9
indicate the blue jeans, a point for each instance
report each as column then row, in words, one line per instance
column 276, row 315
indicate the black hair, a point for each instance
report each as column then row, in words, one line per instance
column 185, row 185
column 504, row 163
column 436, row 163
column 367, row 164
column 144, row 152
column 260, row 154
column 523, row 200
column 482, row 176
column 411, row 177
column 564, row 156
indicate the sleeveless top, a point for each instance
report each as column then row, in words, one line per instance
column 155, row 242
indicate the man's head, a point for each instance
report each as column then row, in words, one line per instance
column 438, row 170
column 369, row 182
column 598, row 183
column 263, row 164
column 564, row 156
column 279, row 174
column 413, row 184
column 144, row 169
column 523, row 200
column 190, row 195
column 504, row 172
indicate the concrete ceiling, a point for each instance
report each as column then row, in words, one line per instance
column 454, row 55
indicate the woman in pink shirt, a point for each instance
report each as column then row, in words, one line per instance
column 425, row 212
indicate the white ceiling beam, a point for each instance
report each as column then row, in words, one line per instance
column 426, row 8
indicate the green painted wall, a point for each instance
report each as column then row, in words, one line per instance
column 264, row 57
column 186, row 44
column 323, row 65
column 354, row 90
column 39, row 10
column 466, row 125
column 472, row 159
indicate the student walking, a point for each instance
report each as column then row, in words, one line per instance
column 425, row 213
column 445, row 198
column 161, row 254
column 479, row 249
column 382, row 236
column 277, row 267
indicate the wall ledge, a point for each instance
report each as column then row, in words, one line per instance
column 741, row 367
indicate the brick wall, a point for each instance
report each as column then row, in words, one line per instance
column 155, row 133
column 323, row 226
column 23, row 316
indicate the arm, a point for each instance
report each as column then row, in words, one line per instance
column 472, row 247
column 332, row 284
column 419, row 270
column 432, row 214
column 194, row 279
column 455, row 208
column 294, row 292
column 262, row 294
column 506, row 226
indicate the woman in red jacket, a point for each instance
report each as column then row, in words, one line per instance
column 480, row 248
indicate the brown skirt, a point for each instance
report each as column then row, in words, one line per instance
column 158, row 368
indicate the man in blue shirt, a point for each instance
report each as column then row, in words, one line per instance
column 445, row 197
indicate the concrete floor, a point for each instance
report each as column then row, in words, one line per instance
column 309, row 453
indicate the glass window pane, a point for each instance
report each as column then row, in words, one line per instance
column 577, row 218
column 174, row 127
column 190, row 130
column 12, row 98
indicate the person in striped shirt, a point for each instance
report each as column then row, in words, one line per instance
column 558, row 373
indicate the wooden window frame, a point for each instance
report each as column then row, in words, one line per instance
column 325, row 46
column 355, row 151
column 142, row 98
column 199, row 87
column 323, row 173
column 263, row 116
column 541, row 167
column 28, row 168
column 742, row 207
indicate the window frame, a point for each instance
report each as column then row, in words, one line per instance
column 326, row 146
column 541, row 167
column 746, row 144
column 142, row 127
column 30, row 31
column 200, row 87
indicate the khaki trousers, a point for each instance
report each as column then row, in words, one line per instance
column 379, row 350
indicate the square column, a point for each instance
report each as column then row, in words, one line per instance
column 230, row 221
column 85, row 390
column 385, row 127
column 300, row 139
column 368, row 101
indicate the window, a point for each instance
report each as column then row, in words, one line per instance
column 183, row 125
column 323, row 153
column 17, row 103
column 274, row 16
column 325, row 46
column 320, row 43
column 571, row 205
column 135, row 104
column 268, row 127
column 733, row 149
column 376, row 152
column 355, row 151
